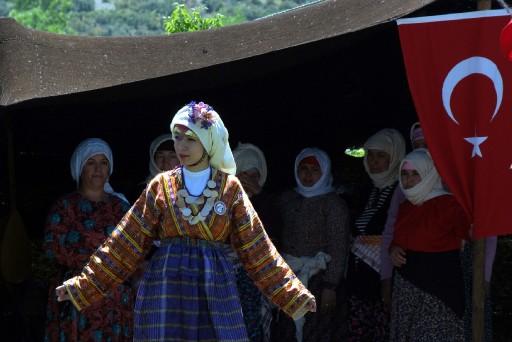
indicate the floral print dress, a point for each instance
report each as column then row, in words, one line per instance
column 75, row 228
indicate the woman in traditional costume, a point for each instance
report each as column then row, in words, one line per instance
column 428, row 288
column 189, row 293
column 78, row 223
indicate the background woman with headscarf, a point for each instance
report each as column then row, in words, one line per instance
column 428, row 289
column 417, row 140
column 162, row 156
column 315, row 237
column 189, row 292
column 77, row 225
column 251, row 170
column 368, row 318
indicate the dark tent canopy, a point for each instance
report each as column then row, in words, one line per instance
column 41, row 65
column 327, row 74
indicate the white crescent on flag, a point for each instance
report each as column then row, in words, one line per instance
column 465, row 68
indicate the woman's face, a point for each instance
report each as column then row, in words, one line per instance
column 250, row 181
column 166, row 160
column 309, row 174
column 419, row 143
column 378, row 161
column 95, row 172
column 189, row 150
column 410, row 178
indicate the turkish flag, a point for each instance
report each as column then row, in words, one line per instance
column 461, row 84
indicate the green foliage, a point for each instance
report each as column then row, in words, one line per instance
column 183, row 19
column 44, row 15
column 137, row 17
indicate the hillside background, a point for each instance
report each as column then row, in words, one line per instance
column 129, row 17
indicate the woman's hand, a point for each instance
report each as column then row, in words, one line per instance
column 397, row 256
column 328, row 300
column 311, row 305
column 61, row 293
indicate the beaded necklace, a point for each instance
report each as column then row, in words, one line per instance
column 184, row 199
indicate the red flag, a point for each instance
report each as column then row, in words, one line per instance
column 461, row 84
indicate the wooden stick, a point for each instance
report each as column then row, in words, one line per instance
column 478, row 317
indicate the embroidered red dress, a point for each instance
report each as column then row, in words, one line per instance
column 75, row 228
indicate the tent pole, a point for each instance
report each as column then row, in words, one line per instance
column 478, row 290
column 478, row 293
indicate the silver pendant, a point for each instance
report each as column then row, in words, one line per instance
column 220, row 208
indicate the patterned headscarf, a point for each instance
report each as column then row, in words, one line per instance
column 201, row 119
column 430, row 185
column 392, row 142
column 324, row 184
column 87, row 149
column 249, row 156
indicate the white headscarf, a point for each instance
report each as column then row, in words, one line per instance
column 324, row 184
column 153, row 168
column 430, row 185
column 416, row 133
column 392, row 142
column 209, row 128
column 249, row 156
column 87, row 149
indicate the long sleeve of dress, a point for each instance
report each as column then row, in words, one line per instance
column 338, row 231
column 386, row 267
column 262, row 262
column 119, row 256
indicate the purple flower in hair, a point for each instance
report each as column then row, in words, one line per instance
column 201, row 112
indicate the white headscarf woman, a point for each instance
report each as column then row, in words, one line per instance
column 87, row 149
column 430, row 185
column 392, row 142
column 324, row 183
column 249, row 156
column 162, row 140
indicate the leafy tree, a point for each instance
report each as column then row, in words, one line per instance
column 183, row 19
column 44, row 15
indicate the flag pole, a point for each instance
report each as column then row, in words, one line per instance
column 478, row 293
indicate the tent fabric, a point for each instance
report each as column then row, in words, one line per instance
column 35, row 64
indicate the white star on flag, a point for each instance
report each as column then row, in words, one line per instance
column 476, row 142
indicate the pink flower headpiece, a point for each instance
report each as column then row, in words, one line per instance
column 201, row 112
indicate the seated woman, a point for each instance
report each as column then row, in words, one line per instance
column 188, row 292
column 77, row 225
column 315, row 237
column 428, row 288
